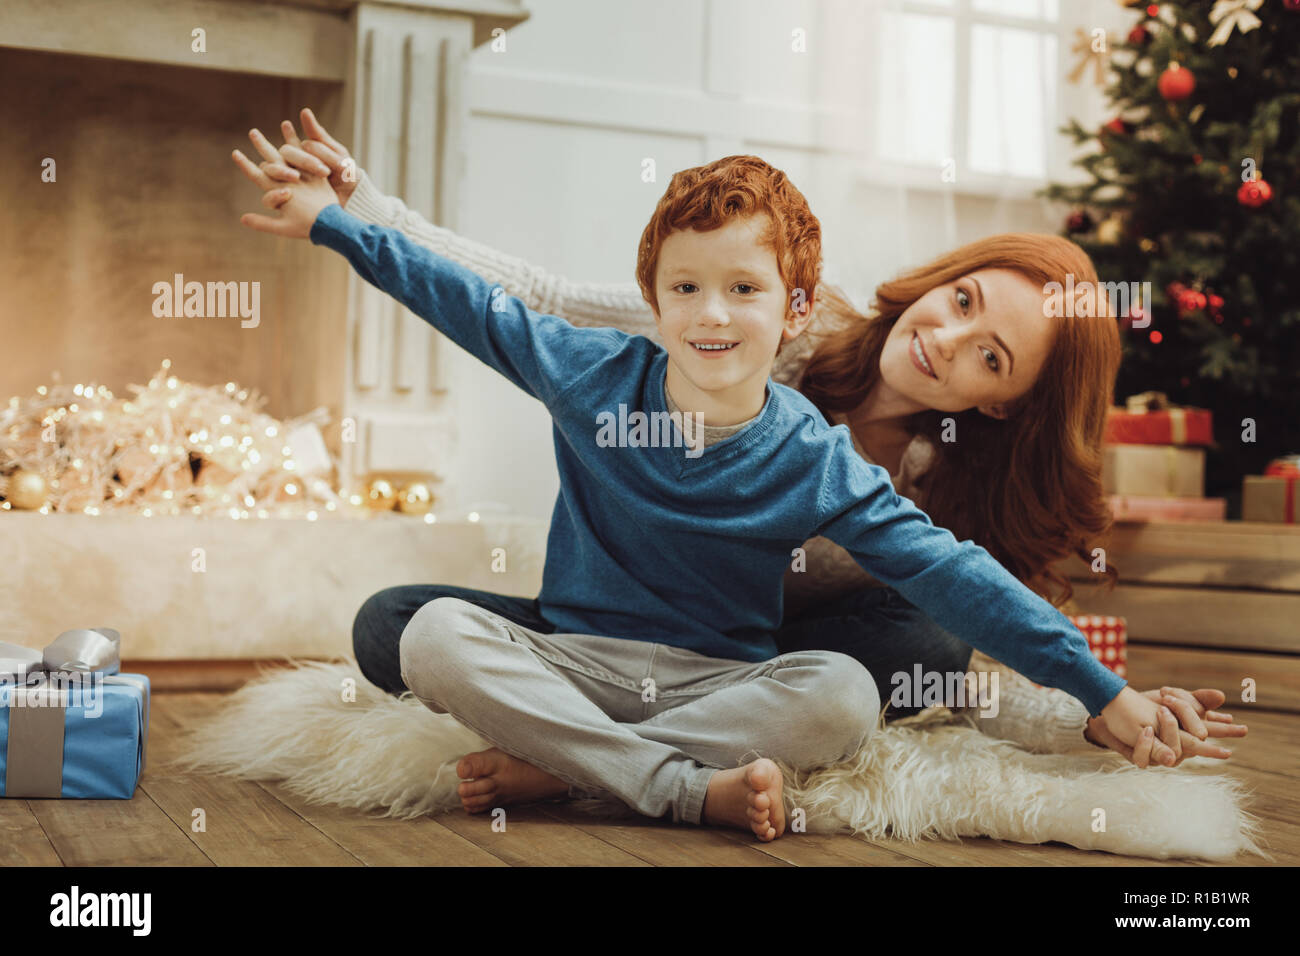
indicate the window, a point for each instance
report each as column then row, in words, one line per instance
column 974, row 82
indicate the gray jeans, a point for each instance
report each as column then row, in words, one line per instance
column 646, row 723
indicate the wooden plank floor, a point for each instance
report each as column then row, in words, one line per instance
column 252, row 824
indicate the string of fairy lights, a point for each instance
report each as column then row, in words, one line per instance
column 175, row 447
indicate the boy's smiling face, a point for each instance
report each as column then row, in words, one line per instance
column 723, row 289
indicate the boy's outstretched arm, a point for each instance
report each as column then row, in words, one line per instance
column 541, row 354
column 968, row 593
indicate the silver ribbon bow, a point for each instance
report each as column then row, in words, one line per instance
column 34, row 758
column 93, row 650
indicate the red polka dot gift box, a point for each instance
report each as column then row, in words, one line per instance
column 1107, row 638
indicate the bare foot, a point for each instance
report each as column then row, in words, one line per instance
column 493, row 778
column 748, row 796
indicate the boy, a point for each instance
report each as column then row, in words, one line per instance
column 664, row 568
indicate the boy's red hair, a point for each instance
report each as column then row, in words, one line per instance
column 705, row 197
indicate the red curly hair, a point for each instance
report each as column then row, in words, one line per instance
column 1027, row 489
column 705, row 197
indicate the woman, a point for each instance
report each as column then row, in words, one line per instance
column 958, row 348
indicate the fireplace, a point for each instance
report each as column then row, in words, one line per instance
column 120, row 198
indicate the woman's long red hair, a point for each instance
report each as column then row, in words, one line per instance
column 1028, row 489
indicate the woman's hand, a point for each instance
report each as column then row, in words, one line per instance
column 299, row 203
column 1133, row 721
column 320, row 155
column 1199, row 722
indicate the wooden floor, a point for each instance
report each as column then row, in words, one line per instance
column 251, row 824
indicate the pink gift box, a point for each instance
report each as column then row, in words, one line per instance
column 1144, row 508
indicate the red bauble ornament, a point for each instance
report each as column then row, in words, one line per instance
column 1116, row 127
column 1176, row 83
column 1216, row 307
column 1254, row 194
column 1292, row 5
column 1078, row 221
column 1189, row 301
column 1139, row 36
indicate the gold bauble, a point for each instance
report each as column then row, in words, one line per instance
column 380, row 495
column 1147, row 246
column 1110, row 231
column 415, row 499
column 26, row 490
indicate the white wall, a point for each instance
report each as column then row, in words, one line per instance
column 585, row 90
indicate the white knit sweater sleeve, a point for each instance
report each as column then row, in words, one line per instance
column 619, row 305
column 1040, row 719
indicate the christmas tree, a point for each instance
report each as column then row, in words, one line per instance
column 1195, row 188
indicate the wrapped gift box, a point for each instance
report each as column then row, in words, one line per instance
column 1154, row 471
column 81, row 741
column 1150, row 420
column 1274, row 498
column 1138, row 508
column 1107, row 638
column 1275, row 495
column 70, row 725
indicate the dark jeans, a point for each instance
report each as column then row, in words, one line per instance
column 876, row 626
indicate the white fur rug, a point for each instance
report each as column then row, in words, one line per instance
column 328, row 734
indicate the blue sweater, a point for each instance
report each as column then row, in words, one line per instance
column 654, row 541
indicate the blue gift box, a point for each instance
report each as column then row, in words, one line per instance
column 74, row 736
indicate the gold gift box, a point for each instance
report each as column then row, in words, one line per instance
column 1154, row 471
column 1264, row 498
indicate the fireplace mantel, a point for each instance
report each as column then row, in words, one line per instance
column 388, row 79
column 308, row 39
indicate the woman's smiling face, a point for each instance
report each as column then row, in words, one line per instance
column 977, row 342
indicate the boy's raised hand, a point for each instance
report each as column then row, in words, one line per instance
column 299, row 202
